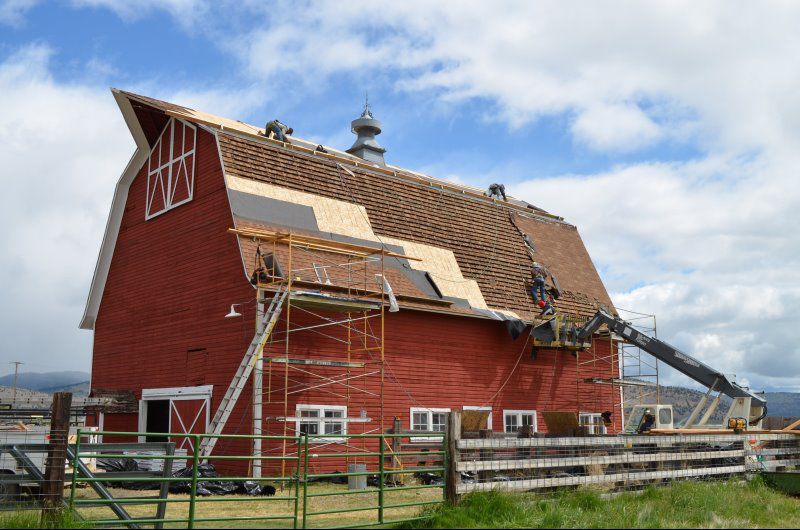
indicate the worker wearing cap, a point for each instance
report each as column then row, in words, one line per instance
column 280, row 130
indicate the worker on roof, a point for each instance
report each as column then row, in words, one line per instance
column 539, row 273
column 279, row 129
column 496, row 191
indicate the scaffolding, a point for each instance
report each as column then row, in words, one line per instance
column 633, row 373
column 338, row 295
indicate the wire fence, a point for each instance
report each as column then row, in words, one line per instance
column 318, row 481
column 616, row 463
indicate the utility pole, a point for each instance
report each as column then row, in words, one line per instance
column 16, row 371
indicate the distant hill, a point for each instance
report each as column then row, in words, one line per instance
column 46, row 382
column 683, row 401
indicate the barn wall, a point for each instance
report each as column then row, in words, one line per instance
column 171, row 281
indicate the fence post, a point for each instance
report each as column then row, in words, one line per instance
column 452, row 476
column 381, row 479
column 193, row 490
column 53, row 487
column 305, row 477
column 298, row 466
column 75, row 472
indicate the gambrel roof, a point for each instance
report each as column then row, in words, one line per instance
column 470, row 245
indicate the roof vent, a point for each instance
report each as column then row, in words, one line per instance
column 366, row 146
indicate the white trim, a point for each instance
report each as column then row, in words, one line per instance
column 115, row 213
column 430, row 411
column 320, row 421
column 156, row 175
column 519, row 413
column 177, row 393
column 173, row 394
column 481, row 409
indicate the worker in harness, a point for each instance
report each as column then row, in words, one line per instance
column 540, row 273
column 279, row 129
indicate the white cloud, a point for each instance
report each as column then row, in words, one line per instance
column 615, row 128
column 12, row 12
column 63, row 146
column 184, row 11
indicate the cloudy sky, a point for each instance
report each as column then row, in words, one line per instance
column 669, row 132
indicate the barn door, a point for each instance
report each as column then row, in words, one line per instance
column 186, row 410
column 189, row 416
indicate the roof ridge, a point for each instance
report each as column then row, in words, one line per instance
column 258, row 132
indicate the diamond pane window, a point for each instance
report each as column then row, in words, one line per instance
column 170, row 169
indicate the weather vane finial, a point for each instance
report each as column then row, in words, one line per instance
column 367, row 111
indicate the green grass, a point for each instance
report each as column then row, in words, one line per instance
column 681, row 505
column 33, row 519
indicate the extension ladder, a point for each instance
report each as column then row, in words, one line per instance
column 243, row 373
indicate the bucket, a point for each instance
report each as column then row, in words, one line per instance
column 358, row 482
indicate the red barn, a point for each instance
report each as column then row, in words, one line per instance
column 404, row 288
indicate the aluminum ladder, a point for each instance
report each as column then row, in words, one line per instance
column 243, row 373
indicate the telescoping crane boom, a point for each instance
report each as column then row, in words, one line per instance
column 749, row 405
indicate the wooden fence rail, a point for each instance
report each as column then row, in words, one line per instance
column 611, row 462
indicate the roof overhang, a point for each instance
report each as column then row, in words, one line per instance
column 117, row 209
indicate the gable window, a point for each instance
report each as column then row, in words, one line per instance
column 327, row 420
column 431, row 420
column 593, row 422
column 514, row 420
column 170, row 169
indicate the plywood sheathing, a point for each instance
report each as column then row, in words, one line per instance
column 303, row 261
column 334, row 216
column 443, row 267
column 349, row 219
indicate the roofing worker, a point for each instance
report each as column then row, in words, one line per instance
column 539, row 273
column 497, row 191
column 280, row 130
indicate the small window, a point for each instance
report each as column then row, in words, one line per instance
column 322, row 420
column 514, row 420
column 431, row 420
column 664, row 417
column 593, row 422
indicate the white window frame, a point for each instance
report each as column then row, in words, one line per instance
column 481, row 409
column 430, row 411
column 321, row 421
column 164, row 170
column 594, row 426
column 519, row 413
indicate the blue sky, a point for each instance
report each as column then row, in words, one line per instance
column 668, row 133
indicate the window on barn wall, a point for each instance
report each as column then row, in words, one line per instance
column 431, row 420
column 514, row 420
column 326, row 420
column 170, row 170
column 593, row 422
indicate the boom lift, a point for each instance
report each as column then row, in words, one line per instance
column 747, row 409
